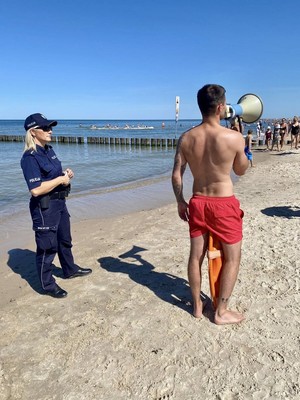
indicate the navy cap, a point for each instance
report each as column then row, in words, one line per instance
column 35, row 120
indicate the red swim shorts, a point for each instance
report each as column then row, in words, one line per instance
column 219, row 215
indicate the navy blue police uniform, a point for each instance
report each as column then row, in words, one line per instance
column 50, row 217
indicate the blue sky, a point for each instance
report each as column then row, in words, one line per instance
column 126, row 59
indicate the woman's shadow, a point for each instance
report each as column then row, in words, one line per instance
column 22, row 262
column 168, row 287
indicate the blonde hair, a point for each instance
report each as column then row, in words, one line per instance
column 29, row 141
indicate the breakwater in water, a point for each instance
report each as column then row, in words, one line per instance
column 146, row 142
column 127, row 141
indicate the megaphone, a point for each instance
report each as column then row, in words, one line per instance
column 249, row 108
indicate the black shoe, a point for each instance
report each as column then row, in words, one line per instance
column 80, row 272
column 58, row 292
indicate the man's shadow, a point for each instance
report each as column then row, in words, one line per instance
column 282, row 211
column 167, row 287
column 22, row 262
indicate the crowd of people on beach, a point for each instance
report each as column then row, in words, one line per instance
column 276, row 133
column 273, row 133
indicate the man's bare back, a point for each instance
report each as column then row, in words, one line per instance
column 211, row 152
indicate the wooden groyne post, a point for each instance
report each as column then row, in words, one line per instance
column 115, row 141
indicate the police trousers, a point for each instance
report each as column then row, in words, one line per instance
column 52, row 236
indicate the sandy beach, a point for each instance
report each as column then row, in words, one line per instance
column 126, row 331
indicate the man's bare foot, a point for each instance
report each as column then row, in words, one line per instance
column 198, row 308
column 228, row 317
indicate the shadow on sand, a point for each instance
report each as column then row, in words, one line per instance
column 286, row 153
column 282, row 211
column 22, row 262
column 167, row 287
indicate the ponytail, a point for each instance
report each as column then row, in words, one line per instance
column 29, row 141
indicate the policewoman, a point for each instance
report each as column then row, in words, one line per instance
column 49, row 186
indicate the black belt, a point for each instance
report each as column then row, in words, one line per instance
column 59, row 195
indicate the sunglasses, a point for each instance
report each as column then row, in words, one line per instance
column 44, row 128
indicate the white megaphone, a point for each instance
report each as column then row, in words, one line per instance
column 249, row 108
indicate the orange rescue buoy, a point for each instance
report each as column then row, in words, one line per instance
column 215, row 262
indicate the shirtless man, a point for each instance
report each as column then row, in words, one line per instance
column 212, row 151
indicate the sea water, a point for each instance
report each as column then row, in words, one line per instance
column 109, row 179
column 96, row 167
column 106, row 174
